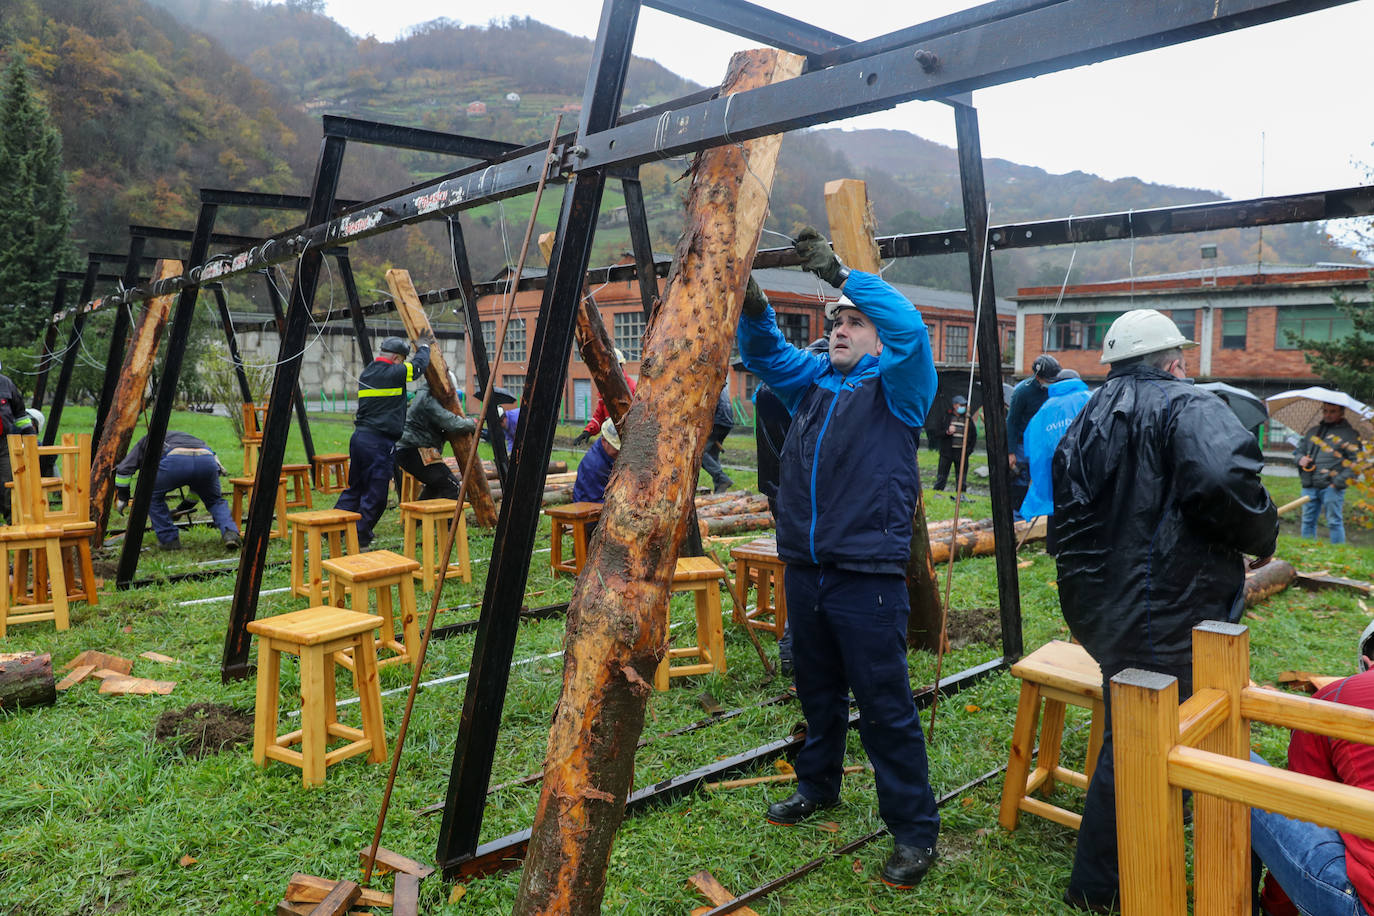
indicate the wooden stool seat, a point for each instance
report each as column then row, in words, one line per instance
column 699, row 575
column 757, row 566
column 1059, row 674
column 331, row 472
column 309, row 533
column 431, row 518
column 78, row 570
column 243, row 494
column 579, row 519
column 40, row 539
column 299, row 489
column 319, row 636
column 353, row 577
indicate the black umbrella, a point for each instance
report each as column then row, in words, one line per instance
column 499, row 396
column 1249, row 408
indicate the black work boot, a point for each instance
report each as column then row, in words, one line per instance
column 907, row 865
column 795, row 809
column 231, row 539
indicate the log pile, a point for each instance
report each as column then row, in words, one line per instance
column 977, row 540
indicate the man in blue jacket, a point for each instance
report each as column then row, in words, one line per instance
column 1065, row 398
column 185, row 462
column 378, row 424
column 846, row 498
column 1026, row 398
column 594, row 470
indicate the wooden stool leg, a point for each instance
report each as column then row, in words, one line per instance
column 410, row 618
column 386, row 611
column 464, row 562
column 351, row 537
column 280, row 530
column 780, row 602
column 370, row 697
column 1018, row 763
column 88, row 573
column 4, row 592
column 1051, row 736
column 315, row 587
column 429, row 543
column 715, row 630
column 579, row 545
column 265, row 711
column 556, row 545
column 299, row 586
column 59, row 585
column 314, row 734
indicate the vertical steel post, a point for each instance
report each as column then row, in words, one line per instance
column 641, row 242
column 162, row 407
column 990, row 374
column 64, row 377
column 259, row 519
column 298, row 401
column 520, row 508
column 481, row 367
column 40, row 385
column 355, row 308
column 232, row 341
column 119, row 338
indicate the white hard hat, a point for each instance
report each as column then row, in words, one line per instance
column 619, row 355
column 608, row 432
column 1366, row 648
column 843, row 302
column 1140, row 332
column 36, row 416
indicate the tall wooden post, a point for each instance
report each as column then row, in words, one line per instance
column 852, row 228
column 617, row 624
column 477, row 491
column 1221, row 828
column 127, row 401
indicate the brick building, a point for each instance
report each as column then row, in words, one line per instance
column 1241, row 318
column 797, row 297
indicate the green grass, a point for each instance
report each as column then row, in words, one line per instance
column 97, row 814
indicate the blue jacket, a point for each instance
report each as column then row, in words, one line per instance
column 1065, row 399
column 593, row 472
column 849, row 476
column 382, row 393
column 1026, row 398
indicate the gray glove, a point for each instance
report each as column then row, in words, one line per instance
column 819, row 258
column 754, row 300
column 426, row 338
column 582, row 438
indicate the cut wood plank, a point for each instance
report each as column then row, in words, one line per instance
column 707, row 885
column 305, row 888
column 77, row 675
column 339, row 899
column 760, row 780
column 100, row 660
column 102, row 673
column 388, row 860
column 26, row 679
column 121, row 685
column 160, row 658
column 406, row 897
column 1319, row 582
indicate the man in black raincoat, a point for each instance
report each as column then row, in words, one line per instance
column 1157, row 494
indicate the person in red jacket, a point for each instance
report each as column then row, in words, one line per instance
column 600, row 414
column 1323, row 870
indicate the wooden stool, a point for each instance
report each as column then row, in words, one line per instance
column 243, row 493
column 431, row 517
column 410, row 487
column 360, row 573
column 757, row 565
column 38, row 538
column 331, row 473
column 1058, row 673
column 578, row 518
column 78, row 571
column 319, row 636
column 700, row 576
column 309, row 531
column 298, row 476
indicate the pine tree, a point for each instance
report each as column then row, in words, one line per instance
column 35, row 208
column 1348, row 363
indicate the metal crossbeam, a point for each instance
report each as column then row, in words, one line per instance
column 416, row 138
column 755, row 22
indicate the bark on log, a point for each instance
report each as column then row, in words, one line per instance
column 733, row 524
column 26, row 680
column 616, row 628
column 127, row 403
column 925, row 624
column 980, row 542
column 1268, row 580
column 413, row 316
column 746, row 505
column 712, row 499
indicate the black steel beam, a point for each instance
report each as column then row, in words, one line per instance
column 262, row 200
column 119, row 336
column 990, row 376
column 64, row 375
column 59, row 299
column 231, row 340
column 297, row 401
column 416, row 138
column 518, row 523
column 253, row 554
column 162, row 408
column 481, row 366
column 641, row 242
column 757, row 23
column 166, row 234
column 355, row 309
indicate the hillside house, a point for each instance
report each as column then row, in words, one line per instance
column 476, row 109
column 513, row 98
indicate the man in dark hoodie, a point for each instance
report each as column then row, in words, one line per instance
column 185, row 462
column 429, row 425
column 1157, row 494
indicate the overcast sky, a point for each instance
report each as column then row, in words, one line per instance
column 1276, row 109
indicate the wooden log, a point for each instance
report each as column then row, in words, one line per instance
column 1267, row 581
column 338, row 900
column 26, row 679
column 616, row 628
column 1289, row 507
column 980, row 541
column 852, row 230
column 744, row 506
column 476, row 490
column 732, row 524
column 127, row 404
column 488, row 468
column 710, row 499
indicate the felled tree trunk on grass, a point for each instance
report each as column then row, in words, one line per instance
column 476, row 490
column 26, row 680
column 617, row 619
column 1267, row 581
column 127, row 403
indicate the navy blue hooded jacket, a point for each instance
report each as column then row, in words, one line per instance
column 849, row 476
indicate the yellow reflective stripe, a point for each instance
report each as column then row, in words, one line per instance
column 410, row 372
column 380, row 392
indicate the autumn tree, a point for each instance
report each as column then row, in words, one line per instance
column 35, row 209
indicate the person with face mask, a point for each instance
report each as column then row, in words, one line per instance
column 952, row 448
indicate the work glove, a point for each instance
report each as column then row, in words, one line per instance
column 819, row 258
column 426, row 338
column 754, row 300
column 582, row 438
column 122, row 499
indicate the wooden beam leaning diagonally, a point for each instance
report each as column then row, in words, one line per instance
column 477, row 491
column 127, row 402
column 617, row 631
column 852, row 231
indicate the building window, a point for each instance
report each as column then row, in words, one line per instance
column 514, row 349
column 1008, row 345
column 796, row 329
column 489, row 337
column 1233, row 323
column 1186, row 320
column 1321, row 322
column 751, row 385
column 628, row 333
column 515, row 384
column 1078, row 332
column 956, row 343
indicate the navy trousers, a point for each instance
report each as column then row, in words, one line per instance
column 201, row 474
column 849, row 633
column 369, row 479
